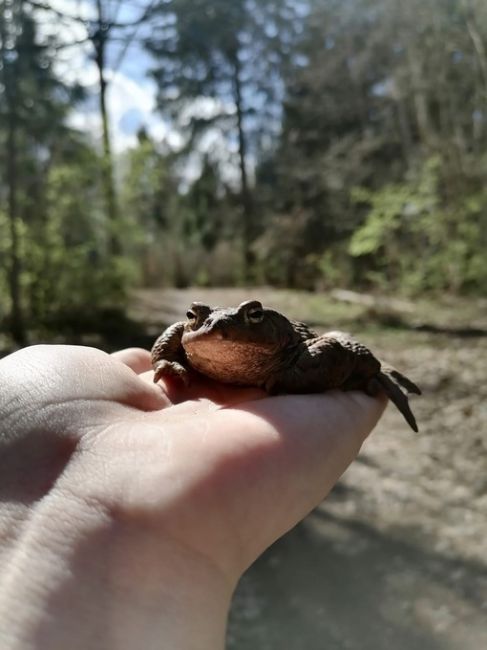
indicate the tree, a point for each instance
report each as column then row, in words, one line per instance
column 337, row 132
column 152, row 207
column 219, row 65
column 26, row 81
column 111, row 27
column 106, row 28
column 204, row 202
column 379, row 89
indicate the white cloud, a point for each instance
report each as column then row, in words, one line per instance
column 130, row 103
column 206, row 108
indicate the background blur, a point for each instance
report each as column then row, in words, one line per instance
column 328, row 157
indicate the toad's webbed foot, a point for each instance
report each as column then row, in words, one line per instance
column 166, row 368
column 393, row 383
column 400, row 379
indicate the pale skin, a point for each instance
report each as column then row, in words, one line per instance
column 128, row 510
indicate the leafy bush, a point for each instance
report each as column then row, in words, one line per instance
column 417, row 240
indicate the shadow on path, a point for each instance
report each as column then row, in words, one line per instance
column 335, row 585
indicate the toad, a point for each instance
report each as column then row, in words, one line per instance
column 250, row 345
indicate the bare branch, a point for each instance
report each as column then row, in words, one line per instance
column 130, row 39
column 90, row 23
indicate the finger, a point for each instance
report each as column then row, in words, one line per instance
column 202, row 389
column 138, row 359
column 56, row 380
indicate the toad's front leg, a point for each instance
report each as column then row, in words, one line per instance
column 168, row 356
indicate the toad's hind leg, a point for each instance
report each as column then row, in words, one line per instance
column 371, row 376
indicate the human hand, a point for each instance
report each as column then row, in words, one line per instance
column 129, row 511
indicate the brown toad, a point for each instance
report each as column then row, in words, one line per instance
column 249, row 345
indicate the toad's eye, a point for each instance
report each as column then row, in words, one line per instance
column 190, row 315
column 255, row 315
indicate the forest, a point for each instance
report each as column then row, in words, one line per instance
column 314, row 144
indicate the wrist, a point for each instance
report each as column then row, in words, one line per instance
column 78, row 577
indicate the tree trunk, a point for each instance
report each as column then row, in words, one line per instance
column 17, row 325
column 403, row 122
column 420, row 100
column 246, row 197
column 481, row 55
column 99, row 41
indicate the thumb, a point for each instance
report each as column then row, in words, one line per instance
column 285, row 456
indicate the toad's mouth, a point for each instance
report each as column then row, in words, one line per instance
column 219, row 348
column 199, row 335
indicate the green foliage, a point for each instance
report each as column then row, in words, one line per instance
column 54, row 231
column 149, row 189
column 418, row 240
column 334, row 268
column 64, row 269
column 380, row 155
column 180, row 238
column 68, row 267
column 205, row 208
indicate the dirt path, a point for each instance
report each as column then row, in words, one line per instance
column 396, row 557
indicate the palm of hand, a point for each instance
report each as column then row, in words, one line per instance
column 216, row 472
